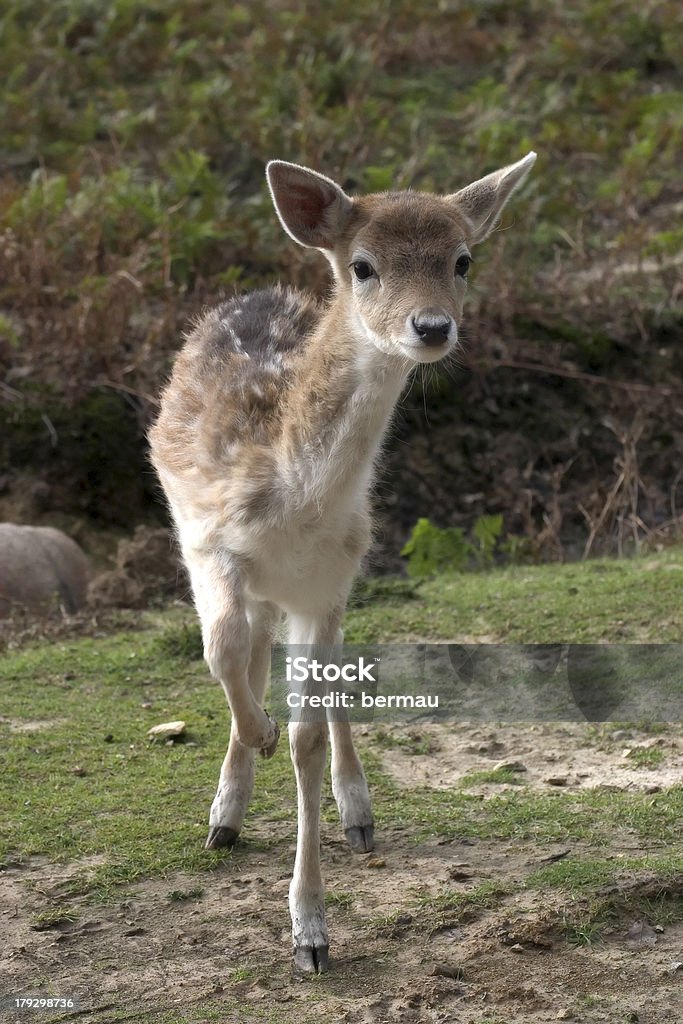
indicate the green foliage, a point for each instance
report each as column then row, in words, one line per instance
column 135, row 135
column 431, row 549
column 487, row 531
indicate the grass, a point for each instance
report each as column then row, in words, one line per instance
column 594, row 816
column 630, row 600
column 336, row 898
column 646, row 757
column 52, row 918
column 85, row 704
column 81, row 782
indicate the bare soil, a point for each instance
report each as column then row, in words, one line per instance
column 227, row 944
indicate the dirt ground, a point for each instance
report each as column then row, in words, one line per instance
column 223, row 941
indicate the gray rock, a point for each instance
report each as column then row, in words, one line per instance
column 41, row 571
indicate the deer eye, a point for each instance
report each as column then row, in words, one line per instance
column 462, row 265
column 362, row 270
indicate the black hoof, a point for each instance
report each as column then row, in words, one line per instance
column 311, row 959
column 268, row 751
column 219, row 837
column 361, row 838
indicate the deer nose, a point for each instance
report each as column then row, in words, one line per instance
column 433, row 325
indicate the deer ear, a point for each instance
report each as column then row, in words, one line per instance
column 311, row 207
column 482, row 202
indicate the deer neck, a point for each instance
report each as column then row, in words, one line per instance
column 343, row 397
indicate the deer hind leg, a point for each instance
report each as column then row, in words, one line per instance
column 350, row 787
column 308, row 743
column 236, row 780
column 228, row 641
column 349, row 784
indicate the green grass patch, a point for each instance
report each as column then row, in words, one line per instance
column 138, row 808
column 52, row 917
column 646, row 757
column 337, row 898
column 630, row 600
column 606, row 896
column 182, row 641
column 599, row 817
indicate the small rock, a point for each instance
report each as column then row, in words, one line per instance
column 489, row 749
column 641, row 933
column 565, row 1015
column 675, row 966
column 621, row 734
column 517, row 947
column 458, row 874
column 135, row 931
column 375, row 862
column 510, row 766
column 78, row 770
column 557, row 780
column 652, row 787
column 447, row 971
column 167, row 731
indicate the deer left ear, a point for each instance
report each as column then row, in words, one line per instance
column 312, row 208
column 482, row 202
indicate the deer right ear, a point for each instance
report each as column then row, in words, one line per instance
column 312, row 208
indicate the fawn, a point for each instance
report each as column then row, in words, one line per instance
column 265, row 446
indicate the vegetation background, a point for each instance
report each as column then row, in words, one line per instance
column 132, row 193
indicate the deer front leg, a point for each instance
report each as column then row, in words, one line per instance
column 227, row 635
column 308, row 743
column 349, row 784
column 237, row 773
